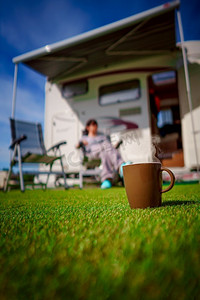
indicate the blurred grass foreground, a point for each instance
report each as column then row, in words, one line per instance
column 89, row 244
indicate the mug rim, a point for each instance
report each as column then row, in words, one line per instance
column 143, row 163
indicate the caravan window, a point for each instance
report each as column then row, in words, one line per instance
column 72, row 89
column 119, row 92
column 164, row 78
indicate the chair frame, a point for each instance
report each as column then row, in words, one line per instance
column 89, row 171
column 17, row 158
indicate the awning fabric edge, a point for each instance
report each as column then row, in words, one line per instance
column 95, row 32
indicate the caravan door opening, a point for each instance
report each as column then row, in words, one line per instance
column 165, row 117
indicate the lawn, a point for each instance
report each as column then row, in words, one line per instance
column 89, row 244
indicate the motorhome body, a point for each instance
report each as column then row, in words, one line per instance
column 128, row 75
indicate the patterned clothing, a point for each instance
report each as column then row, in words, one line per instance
column 100, row 147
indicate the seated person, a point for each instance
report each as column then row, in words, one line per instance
column 98, row 146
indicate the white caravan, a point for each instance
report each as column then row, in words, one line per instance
column 128, row 75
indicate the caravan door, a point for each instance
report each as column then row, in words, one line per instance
column 65, row 128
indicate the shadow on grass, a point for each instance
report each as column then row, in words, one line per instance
column 179, row 202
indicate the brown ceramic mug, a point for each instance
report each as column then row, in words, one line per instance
column 143, row 184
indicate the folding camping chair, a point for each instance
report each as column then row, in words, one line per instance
column 28, row 147
column 91, row 167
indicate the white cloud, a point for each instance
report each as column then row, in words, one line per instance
column 29, row 106
column 4, row 155
column 5, row 99
column 47, row 22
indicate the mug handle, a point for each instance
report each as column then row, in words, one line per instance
column 172, row 179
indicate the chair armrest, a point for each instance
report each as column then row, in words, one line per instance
column 118, row 144
column 18, row 141
column 57, row 146
column 80, row 145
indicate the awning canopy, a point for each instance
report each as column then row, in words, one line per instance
column 193, row 51
column 149, row 33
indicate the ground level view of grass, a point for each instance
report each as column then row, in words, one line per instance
column 89, row 244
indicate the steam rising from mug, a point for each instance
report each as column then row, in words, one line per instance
column 155, row 150
column 146, row 150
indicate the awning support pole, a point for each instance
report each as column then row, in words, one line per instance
column 14, row 91
column 13, row 102
column 187, row 84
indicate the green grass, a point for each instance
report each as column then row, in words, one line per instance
column 90, row 245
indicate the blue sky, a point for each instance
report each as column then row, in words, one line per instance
column 26, row 25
